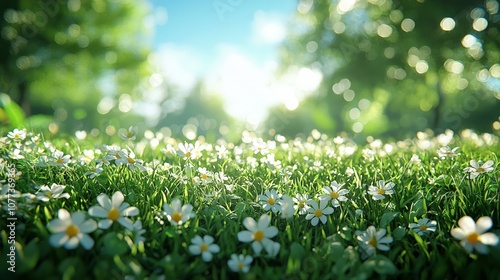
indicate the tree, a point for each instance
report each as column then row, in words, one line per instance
column 391, row 67
column 60, row 57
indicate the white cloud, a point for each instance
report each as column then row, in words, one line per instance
column 268, row 28
column 179, row 65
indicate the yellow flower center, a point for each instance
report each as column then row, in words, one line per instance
column 204, row 176
column 373, row 242
column 381, row 191
column 258, row 235
column 60, row 161
column 131, row 160
column 176, row 216
column 49, row 194
column 129, row 135
column 271, row 201
column 117, row 155
column 334, row 195
column 72, row 230
column 188, row 154
column 423, row 227
column 302, row 204
column 240, row 266
column 318, row 213
column 480, row 170
column 204, row 247
column 113, row 214
column 473, row 238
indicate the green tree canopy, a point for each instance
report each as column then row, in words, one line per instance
column 394, row 67
column 61, row 57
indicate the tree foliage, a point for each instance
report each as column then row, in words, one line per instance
column 61, row 57
column 392, row 67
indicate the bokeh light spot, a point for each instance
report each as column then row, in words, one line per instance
column 357, row 127
column 480, row 24
column 384, row 30
column 447, row 24
column 407, row 25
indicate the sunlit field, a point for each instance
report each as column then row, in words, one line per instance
column 146, row 206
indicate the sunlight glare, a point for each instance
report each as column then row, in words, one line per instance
column 345, row 6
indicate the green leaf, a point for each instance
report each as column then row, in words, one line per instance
column 387, row 218
column 336, row 250
column 398, row 233
column 384, row 265
column 12, row 110
column 417, row 209
column 29, row 256
column 71, row 267
column 114, row 244
column 297, row 253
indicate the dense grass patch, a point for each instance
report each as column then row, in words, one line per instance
column 315, row 208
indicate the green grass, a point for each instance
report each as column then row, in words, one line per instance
column 437, row 188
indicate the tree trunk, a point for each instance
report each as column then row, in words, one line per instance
column 23, row 98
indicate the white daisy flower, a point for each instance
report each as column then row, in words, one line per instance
column 204, row 246
column 112, row 210
column 371, row 240
column 381, row 191
column 69, row 230
column 474, row 169
column 239, row 263
column 55, row 191
column 270, row 201
column 177, row 213
column 301, row 203
column 473, row 235
column 335, row 193
column 317, row 212
column 423, row 226
column 259, row 233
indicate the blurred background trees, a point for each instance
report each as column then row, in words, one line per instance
column 388, row 68
column 59, row 58
column 393, row 67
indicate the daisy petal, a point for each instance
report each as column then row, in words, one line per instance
column 467, row 224
column 98, row 211
column 257, row 247
column 270, row 232
column 58, row 239
column 104, row 201
column 483, row 224
column 245, row 236
column 250, row 224
column 117, row 199
column 72, row 243
column 63, row 214
column 458, row 233
column 104, row 224
column 194, row 249
column 131, row 211
column 489, row 239
column 86, row 241
column 263, row 222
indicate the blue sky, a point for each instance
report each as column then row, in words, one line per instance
column 204, row 25
column 232, row 46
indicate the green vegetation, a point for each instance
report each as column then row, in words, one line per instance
column 394, row 67
column 413, row 192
